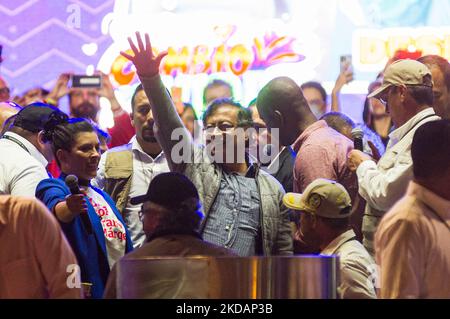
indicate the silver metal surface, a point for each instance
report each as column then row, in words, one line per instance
column 296, row 277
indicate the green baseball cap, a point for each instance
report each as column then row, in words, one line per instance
column 322, row 197
column 403, row 72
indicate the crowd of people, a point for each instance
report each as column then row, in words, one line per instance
column 150, row 186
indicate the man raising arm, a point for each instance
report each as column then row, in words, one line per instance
column 243, row 205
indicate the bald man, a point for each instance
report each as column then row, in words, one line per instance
column 7, row 110
column 321, row 151
column 282, row 163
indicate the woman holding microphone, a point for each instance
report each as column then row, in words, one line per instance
column 88, row 216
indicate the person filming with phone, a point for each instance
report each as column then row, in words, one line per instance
column 316, row 95
column 84, row 94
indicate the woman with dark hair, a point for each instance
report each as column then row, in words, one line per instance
column 91, row 222
column 375, row 116
column 104, row 139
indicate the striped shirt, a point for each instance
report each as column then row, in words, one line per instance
column 234, row 218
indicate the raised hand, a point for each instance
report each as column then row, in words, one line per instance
column 61, row 87
column 145, row 62
column 345, row 77
column 107, row 89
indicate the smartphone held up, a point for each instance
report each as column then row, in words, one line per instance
column 86, row 81
column 346, row 63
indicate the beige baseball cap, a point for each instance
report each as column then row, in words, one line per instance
column 403, row 72
column 322, row 197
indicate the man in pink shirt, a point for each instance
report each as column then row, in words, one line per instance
column 36, row 260
column 413, row 239
column 321, row 151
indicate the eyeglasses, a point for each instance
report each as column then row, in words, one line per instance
column 141, row 215
column 384, row 97
column 223, row 127
column 383, row 100
column 143, row 212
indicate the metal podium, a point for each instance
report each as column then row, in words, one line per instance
column 296, row 277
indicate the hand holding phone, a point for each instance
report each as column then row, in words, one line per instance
column 346, row 63
column 345, row 75
column 86, row 81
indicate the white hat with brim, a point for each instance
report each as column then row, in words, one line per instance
column 403, row 72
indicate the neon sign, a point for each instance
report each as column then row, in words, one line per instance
column 238, row 58
column 373, row 48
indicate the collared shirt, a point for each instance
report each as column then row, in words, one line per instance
column 22, row 166
column 234, row 219
column 322, row 153
column 275, row 163
column 356, row 267
column 383, row 184
column 282, row 166
column 145, row 168
column 413, row 246
column 36, row 260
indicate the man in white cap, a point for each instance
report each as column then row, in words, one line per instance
column 325, row 209
column 407, row 92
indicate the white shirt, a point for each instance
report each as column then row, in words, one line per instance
column 413, row 246
column 22, row 167
column 274, row 165
column 145, row 168
column 356, row 266
column 383, row 184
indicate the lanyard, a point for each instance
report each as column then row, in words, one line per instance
column 15, row 140
column 414, row 126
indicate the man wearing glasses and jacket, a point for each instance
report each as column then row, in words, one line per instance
column 242, row 204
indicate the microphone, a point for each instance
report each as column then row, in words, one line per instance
column 357, row 135
column 72, row 183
